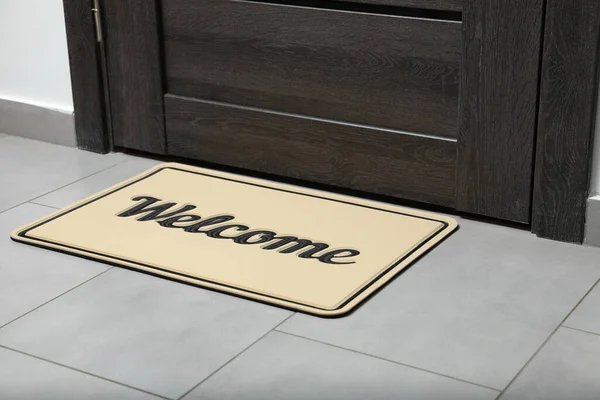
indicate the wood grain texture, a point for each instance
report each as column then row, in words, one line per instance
column 569, row 88
column 133, row 63
column 387, row 71
column 86, row 77
column 498, row 103
column 447, row 5
column 379, row 161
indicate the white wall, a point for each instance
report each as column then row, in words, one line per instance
column 34, row 64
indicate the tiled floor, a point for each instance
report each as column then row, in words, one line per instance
column 493, row 312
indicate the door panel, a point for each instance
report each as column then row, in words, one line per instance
column 499, row 107
column 135, row 74
column 445, row 5
column 375, row 160
column 387, row 71
column 371, row 97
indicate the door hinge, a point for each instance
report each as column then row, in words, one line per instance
column 98, row 21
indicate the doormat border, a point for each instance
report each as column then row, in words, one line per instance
column 447, row 227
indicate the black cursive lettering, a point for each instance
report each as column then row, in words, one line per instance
column 219, row 219
column 328, row 257
column 149, row 210
column 263, row 237
column 152, row 212
column 170, row 222
column 216, row 232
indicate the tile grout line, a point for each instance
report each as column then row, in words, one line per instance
column 43, row 205
column 20, row 204
column 58, row 188
column 83, row 372
column 71, row 183
column 234, row 357
column 546, row 341
column 388, row 360
column 581, row 330
column 54, row 298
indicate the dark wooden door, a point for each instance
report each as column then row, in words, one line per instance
column 429, row 100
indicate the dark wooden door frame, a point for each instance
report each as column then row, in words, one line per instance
column 87, row 82
column 498, row 100
column 565, row 125
column 566, row 122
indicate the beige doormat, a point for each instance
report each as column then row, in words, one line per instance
column 304, row 249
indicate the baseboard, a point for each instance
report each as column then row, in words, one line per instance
column 592, row 223
column 35, row 122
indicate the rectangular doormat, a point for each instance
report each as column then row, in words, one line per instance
column 304, row 249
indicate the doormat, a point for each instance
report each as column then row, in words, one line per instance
column 304, row 249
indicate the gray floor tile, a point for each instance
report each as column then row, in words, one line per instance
column 280, row 366
column 28, row 378
column 144, row 331
column 477, row 307
column 587, row 315
column 29, row 168
column 31, row 276
column 96, row 183
column 568, row 367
